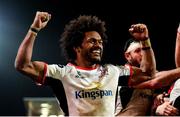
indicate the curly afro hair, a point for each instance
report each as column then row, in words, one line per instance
column 74, row 33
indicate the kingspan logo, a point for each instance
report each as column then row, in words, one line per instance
column 93, row 94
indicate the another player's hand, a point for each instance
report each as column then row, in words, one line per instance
column 160, row 99
column 167, row 109
column 139, row 32
column 41, row 19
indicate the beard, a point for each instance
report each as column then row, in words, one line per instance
column 134, row 63
column 94, row 58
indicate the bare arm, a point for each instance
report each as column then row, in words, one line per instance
column 165, row 78
column 138, row 77
column 161, row 79
column 177, row 48
column 148, row 63
column 23, row 62
column 140, row 33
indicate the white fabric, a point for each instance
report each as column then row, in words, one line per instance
column 175, row 91
column 133, row 46
column 89, row 92
column 118, row 103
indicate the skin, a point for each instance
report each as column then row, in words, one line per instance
column 164, row 107
column 90, row 51
column 177, row 48
column 88, row 54
column 140, row 33
column 165, row 78
column 147, row 62
column 134, row 57
column 23, row 63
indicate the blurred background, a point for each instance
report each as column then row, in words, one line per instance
column 16, row 17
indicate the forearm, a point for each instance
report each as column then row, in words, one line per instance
column 177, row 48
column 23, row 63
column 140, row 33
column 25, row 50
column 161, row 79
column 148, row 63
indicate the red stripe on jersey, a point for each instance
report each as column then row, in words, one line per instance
column 170, row 89
column 130, row 77
column 84, row 68
column 41, row 80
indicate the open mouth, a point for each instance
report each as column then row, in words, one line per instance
column 96, row 52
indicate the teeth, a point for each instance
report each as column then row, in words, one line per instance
column 96, row 51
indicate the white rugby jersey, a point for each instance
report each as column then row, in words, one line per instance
column 175, row 92
column 89, row 91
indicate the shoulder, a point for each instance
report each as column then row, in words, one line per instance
column 118, row 68
column 59, row 66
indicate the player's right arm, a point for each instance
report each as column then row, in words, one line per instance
column 23, row 61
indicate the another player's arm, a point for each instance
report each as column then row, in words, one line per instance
column 140, row 33
column 177, row 48
column 161, row 79
column 137, row 77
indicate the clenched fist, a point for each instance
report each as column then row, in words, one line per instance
column 41, row 19
column 139, row 32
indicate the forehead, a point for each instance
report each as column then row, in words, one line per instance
column 92, row 34
column 133, row 46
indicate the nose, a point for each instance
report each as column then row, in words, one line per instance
column 98, row 44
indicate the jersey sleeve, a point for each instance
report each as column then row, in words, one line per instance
column 175, row 91
column 41, row 79
column 54, row 71
column 125, row 75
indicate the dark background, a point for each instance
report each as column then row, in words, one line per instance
column 17, row 15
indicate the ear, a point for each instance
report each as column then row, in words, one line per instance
column 77, row 49
column 127, row 56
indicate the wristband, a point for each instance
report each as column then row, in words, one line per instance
column 34, row 30
column 146, row 48
column 146, row 43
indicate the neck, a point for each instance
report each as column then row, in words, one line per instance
column 133, row 64
column 85, row 64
